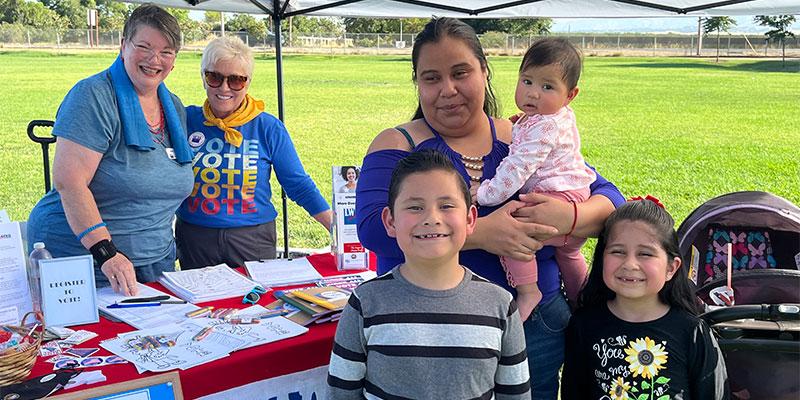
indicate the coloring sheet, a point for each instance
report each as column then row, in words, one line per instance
column 172, row 346
column 266, row 331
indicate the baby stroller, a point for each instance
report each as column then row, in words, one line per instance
column 759, row 335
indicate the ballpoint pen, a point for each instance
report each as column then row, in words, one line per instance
column 133, row 305
column 145, row 299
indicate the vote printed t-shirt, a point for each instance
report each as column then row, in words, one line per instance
column 231, row 184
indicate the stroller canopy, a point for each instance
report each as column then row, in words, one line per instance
column 753, row 209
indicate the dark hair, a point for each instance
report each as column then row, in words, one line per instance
column 424, row 161
column 439, row 28
column 344, row 170
column 157, row 18
column 558, row 51
column 676, row 292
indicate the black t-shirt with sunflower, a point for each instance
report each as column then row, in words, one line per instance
column 673, row 357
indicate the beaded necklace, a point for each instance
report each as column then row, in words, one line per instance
column 157, row 131
column 471, row 163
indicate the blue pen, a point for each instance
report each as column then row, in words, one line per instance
column 132, row 305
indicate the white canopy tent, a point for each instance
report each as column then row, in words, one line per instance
column 493, row 8
column 279, row 10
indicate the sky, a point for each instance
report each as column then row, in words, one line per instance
column 744, row 24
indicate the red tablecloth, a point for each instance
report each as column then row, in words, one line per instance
column 299, row 353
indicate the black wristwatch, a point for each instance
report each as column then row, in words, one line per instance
column 103, row 251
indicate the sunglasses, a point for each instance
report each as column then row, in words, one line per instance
column 254, row 295
column 215, row 79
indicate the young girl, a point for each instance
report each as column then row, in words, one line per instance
column 544, row 157
column 635, row 332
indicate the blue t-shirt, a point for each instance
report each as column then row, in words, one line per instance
column 231, row 184
column 137, row 192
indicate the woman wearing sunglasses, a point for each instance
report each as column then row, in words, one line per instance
column 229, row 216
column 123, row 163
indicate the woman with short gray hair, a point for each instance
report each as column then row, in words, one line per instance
column 123, row 163
column 229, row 217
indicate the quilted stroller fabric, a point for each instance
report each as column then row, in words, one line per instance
column 761, row 349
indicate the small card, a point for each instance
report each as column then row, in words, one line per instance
column 50, row 349
column 87, row 362
column 79, row 337
column 58, row 358
column 82, row 352
column 68, row 291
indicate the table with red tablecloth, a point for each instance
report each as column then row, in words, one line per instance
column 240, row 368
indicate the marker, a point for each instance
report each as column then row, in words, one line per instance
column 203, row 333
column 133, row 305
column 199, row 312
column 243, row 321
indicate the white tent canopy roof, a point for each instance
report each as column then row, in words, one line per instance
column 494, row 8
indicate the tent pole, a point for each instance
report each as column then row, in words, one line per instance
column 276, row 23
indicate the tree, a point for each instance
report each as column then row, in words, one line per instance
column 112, row 14
column 73, row 11
column 256, row 28
column 36, row 14
column 718, row 24
column 384, row 25
column 522, row 26
column 315, row 25
column 780, row 31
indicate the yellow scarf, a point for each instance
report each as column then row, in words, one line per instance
column 249, row 109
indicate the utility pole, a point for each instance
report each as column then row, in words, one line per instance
column 222, row 22
column 699, row 35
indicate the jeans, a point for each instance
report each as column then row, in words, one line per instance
column 144, row 273
column 544, row 340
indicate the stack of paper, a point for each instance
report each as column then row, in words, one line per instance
column 271, row 273
column 142, row 317
column 311, row 304
column 207, row 284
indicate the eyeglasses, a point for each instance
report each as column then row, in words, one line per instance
column 166, row 54
column 215, row 79
column 254, row 295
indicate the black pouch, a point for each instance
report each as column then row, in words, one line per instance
column 39, row 387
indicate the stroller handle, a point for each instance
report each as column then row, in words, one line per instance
column 763, row 312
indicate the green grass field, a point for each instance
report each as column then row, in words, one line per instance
column 684, row 130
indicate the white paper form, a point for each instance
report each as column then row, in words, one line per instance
column 209, row 283
column 143, row 317
column 282, row 272
column 14, row 290
column 179, row 351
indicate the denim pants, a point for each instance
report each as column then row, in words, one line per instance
column 144, row 273
column 544, row 340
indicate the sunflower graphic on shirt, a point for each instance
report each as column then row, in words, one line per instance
column 645, row 358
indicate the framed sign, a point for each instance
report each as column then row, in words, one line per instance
column 68, row 291
column 166, row 386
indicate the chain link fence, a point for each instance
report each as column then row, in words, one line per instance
column 20, row 36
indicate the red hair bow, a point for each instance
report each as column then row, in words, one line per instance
column 648, row 197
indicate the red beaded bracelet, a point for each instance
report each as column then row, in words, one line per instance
column 574, row 221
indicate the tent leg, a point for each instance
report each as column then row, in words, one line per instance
column 276, row 20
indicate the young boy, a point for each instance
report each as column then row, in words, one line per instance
column 429, row 328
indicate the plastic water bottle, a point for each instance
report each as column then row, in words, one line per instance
column 34, row 277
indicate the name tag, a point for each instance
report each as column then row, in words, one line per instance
column 170, row 152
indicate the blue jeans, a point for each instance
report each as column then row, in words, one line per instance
column 144, row 273
column 544, row 340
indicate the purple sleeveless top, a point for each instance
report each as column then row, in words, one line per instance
column 372, row 195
